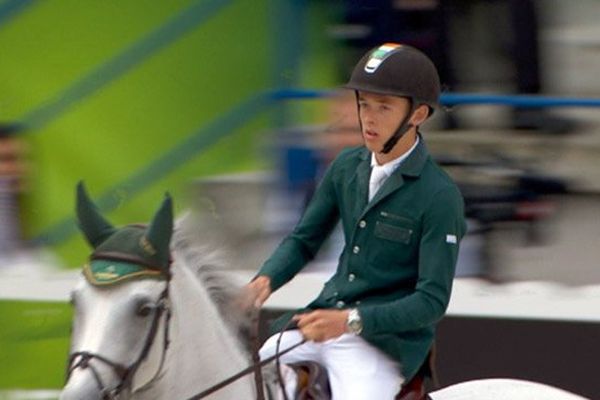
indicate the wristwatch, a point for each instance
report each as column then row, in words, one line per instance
column 354, row 322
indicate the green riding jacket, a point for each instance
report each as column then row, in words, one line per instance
column 399, row 258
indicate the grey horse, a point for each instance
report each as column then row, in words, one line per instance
column 163, row 334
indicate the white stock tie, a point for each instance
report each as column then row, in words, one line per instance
column 378, row 176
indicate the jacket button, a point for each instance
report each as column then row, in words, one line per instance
column 351, row 277
column 362, row 223
column 356, row 249
column 340, row 304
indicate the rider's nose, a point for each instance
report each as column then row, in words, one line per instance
column 367, row 119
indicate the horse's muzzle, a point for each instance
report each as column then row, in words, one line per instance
column 82, row 386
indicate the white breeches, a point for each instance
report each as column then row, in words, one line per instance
column 356, row 369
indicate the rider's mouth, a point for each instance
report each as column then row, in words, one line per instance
column 369, row 134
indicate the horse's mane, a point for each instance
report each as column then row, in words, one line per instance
column 212, row 268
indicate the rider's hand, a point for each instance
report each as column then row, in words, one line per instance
column 322, row 325
column 257, row 292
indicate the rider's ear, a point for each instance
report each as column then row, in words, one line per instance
column 93, row 225
column 161, row 228
column 420, row 115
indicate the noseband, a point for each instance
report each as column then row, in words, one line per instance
column 123, row 372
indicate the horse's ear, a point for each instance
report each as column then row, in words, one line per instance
column 160, row 230
column 93, row 225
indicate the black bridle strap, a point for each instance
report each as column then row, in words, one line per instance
column 84, row 362
column 166, row 342
column 162, row 306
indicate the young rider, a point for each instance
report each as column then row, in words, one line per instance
column 372, row 325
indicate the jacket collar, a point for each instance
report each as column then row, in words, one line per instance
column 411, row 167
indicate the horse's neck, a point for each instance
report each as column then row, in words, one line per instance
column 197, row 320
column 203, row 350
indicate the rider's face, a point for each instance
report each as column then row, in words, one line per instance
column 380, row 116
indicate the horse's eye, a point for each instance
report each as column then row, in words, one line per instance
column 144, row 309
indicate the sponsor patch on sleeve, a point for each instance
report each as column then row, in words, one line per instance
column 451, row 239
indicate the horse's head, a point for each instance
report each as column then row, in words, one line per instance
column 120, row 323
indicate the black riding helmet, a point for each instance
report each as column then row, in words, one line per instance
column 397, row 70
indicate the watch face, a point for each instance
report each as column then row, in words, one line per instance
column 355, row 324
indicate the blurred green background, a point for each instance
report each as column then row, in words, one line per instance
column 137, row 98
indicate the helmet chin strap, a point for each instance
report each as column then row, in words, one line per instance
column 405, row 125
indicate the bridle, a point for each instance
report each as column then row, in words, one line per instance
column 125, row 373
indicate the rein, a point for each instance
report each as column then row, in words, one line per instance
column 255, row 343
column 254, row 367
column 125, row 373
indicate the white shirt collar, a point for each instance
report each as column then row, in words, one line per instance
column 391, row 166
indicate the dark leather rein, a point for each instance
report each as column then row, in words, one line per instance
column 81, row 359
column 255, row 367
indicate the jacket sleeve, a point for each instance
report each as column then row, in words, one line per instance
column 443, row 227
column 301, row 246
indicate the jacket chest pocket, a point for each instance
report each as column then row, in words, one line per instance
column 395, row 241
column 393, row 233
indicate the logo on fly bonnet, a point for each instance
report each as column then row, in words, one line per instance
column 133, row 251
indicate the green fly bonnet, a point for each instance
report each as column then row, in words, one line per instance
column 133, row 251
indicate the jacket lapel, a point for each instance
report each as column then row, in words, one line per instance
column 412, row 167
column 391, row 184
